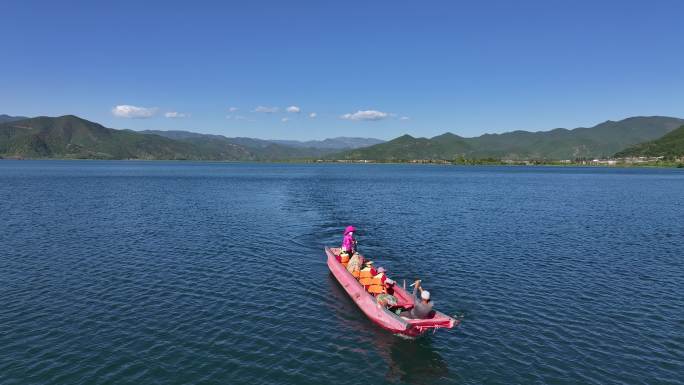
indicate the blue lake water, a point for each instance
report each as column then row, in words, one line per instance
column 214, row 273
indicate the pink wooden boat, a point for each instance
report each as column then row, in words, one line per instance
column 380, row 314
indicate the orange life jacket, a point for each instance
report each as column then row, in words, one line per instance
column 376, row 289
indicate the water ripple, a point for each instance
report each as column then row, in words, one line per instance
column 137, row 272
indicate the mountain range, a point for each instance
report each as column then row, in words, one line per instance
column 72, row 137
column 269, row 150
column 602, row 140
column 7, row 118
column 338, row 143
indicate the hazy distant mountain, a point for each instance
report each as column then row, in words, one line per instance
column 178, row 134
column 671, row 145
column 602, row 140
column 259, row 150
column 194, row 136
column 6, row 118
column 72, row 137
column 339, row 143
column 219, row 146
column 270, row 149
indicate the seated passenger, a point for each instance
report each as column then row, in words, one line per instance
column 368, row 266
column 355, row 264
column 422, row 308
column 389, row 286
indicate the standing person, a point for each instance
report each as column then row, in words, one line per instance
column 348, row 242
column 349, row 247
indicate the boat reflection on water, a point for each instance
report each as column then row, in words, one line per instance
column 413, row 361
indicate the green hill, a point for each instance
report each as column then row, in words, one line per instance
column 256, row 149
column 406, row 147
column 671, row 145
column 72, row 137
column 602, row 140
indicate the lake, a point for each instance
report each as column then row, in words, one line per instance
column 214, row 273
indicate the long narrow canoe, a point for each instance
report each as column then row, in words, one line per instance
column 379, row 314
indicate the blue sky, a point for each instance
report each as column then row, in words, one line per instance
column 366, row 68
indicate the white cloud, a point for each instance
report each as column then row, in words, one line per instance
column 294, row 109
column 365, row 115
column 178, row 115
column 284, row 120
column 267, row 110
column 404, row 118
column 313, row 115
column 128, row 111
column 232, row 109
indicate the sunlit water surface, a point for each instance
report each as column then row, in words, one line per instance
column 214, row 273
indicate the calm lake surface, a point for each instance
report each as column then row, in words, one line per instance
column 214, row 273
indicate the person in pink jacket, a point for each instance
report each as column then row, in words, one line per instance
column 348, row 242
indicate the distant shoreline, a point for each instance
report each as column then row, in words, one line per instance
column 416, row 163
